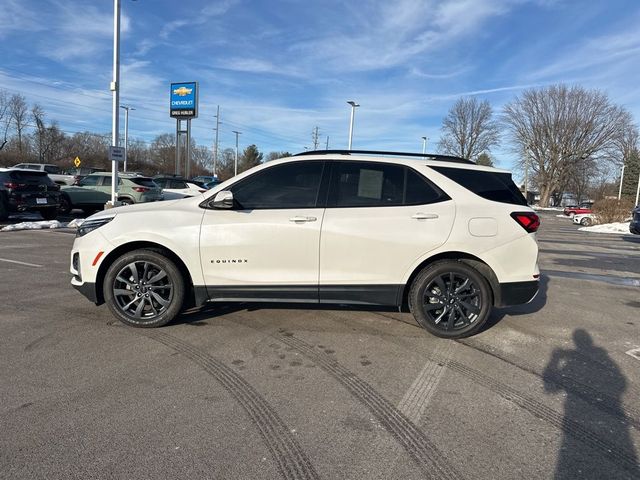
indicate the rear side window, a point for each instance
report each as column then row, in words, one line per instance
column 144, row 182
column 495, row 186
column 374, row 184
column 51, row 169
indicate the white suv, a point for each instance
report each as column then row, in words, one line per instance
column 441, row 235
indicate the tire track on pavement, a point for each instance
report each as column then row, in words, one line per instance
column 620, row 457
column 423, row 451
column 291, row 460
column 586, row 393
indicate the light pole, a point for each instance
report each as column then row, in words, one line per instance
column 115, row 88
column 424, row 145
column 235, row 167
column 638, row 190
column 621, row 177
column 354, row 105
column 126, row 133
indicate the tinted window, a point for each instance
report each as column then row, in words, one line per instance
column 495, row 186
column 90, row 181
column 177, row 184
column 360, row 184
column 144, row 182
column 107, row 181
column 40, row 177
column 51, row 169
column 364, row 184
column 292, row 185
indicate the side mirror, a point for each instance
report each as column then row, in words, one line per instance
column 223, row 199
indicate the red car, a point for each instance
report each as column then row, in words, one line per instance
column 573, row 210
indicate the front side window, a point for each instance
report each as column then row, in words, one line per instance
column 89, row 181
column 292, row 185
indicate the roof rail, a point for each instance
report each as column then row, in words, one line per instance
column 427, row 156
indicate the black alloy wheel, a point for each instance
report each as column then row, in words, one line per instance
column 450, row 299
column 144, row 288
column 64, row 205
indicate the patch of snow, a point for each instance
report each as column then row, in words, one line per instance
column 34, row 225
column 39, row 225
column 563, row 216
column 617, row 227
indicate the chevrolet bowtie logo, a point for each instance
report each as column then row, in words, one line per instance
column 182, row 91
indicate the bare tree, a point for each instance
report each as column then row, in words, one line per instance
column 19, row 116
column 5, row 117
column 469, row 129
column 558, row 128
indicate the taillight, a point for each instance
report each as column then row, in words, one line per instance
column 141, row 189
column 527, row 220
column 14, row 185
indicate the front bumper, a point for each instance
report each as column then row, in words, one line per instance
column 87, row 289
column 517, row 293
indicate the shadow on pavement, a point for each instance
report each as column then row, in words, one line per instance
column 570, row 363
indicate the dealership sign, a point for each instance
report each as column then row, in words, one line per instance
column 184, row 100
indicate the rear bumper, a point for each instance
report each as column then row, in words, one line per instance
column 517, row 293
column 634, row 227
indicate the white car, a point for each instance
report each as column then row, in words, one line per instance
column 585, row 219
column 441, row 235
column 174, row 187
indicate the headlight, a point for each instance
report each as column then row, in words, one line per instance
column 90, row 225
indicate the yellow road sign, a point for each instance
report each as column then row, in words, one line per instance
column 77, row 162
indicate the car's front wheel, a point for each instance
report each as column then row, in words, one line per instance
column 450, row 299
column 144, row 288
column 65, row 206
column 586, row 221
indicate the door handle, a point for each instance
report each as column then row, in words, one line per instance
column 424, row 216
column 301, row 219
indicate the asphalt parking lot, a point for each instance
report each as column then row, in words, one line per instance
column 550, row 390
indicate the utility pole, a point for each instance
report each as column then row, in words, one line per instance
column 621, row 177
column 235, row 167
column 314, row 136
column 354, row 105
column 327, row 147
column 126, row 133
column 115, row 88
column 215, row 145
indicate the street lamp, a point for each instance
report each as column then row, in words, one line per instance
column 115, row 88
column 126, row 133
column 424, row 144
column 620, row 188
column 235, row 167
column 353, row 112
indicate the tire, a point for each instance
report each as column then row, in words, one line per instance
column 126, row 201
column 463, row 294
column 50, row 213
column 586, row 221
column 4, row 208
column 130, row 298
column 65, row 206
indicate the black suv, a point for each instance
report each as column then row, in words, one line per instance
column 634, row 226
column 28, row 190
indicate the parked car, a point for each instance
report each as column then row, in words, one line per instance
column 634, row 225
column 54, row 171
column 585, row 219
column 575, row 210
column 94, row 190
column 204, row 179
column 449, row 238
column 212, row 184
column 174, row 187
column 28, row 191
column 81, row 172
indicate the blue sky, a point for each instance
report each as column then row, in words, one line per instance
column 280, row 68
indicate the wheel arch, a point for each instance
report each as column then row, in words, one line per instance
column 482, row 267
column 192, row 297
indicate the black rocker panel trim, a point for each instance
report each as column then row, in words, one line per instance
column 347, row 294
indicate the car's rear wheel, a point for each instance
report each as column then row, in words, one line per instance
column 4, row 208
column 586, row 221
column 50, row 213
column 64, row 206
column 126, row 201
column 450, row 299
column 144, row 288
